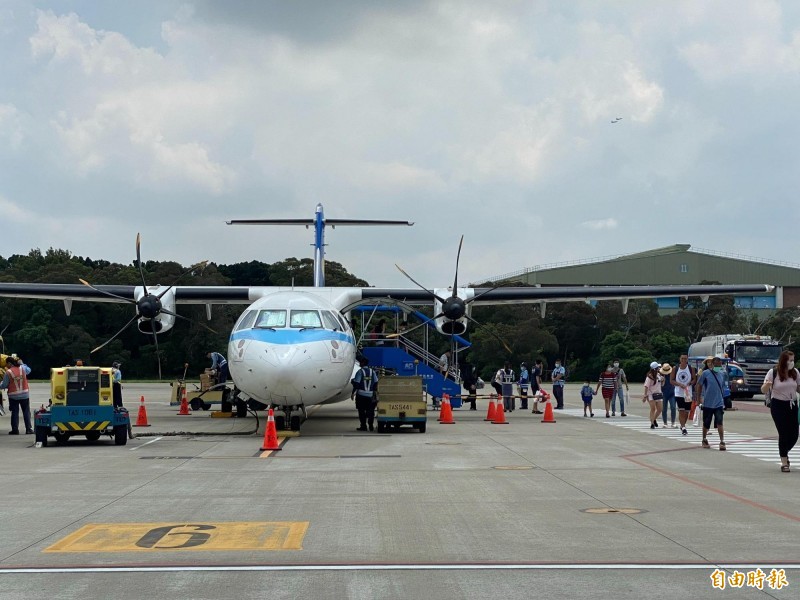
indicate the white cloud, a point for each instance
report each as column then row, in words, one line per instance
column 600, row 224
column 11, row 126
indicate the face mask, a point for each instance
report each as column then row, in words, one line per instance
column 790, row 364
column 586, row 384
column 616, row 365
column 558, row 365
column 718, row 369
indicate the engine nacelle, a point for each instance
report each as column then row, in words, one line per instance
column 161, row 322
column 454, row 320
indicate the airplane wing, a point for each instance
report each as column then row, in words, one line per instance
column 530, row 295
column 125, row 293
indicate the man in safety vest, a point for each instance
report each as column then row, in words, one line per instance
column 15, row 381
column 365, row 386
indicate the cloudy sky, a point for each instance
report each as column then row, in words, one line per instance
column 487, row 119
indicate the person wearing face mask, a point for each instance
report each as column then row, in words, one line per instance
column 783, row 405
column 709, row 393
column 558, row 375
column 622, row 379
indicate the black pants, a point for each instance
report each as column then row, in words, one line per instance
column 558, row 392
column 784, row 414
column 24, row 405
column 366, row 411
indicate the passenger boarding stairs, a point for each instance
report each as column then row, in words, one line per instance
column 406, row 358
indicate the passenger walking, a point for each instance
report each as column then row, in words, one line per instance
column 608, row 383
column 365, row 386
column 536, row 385
column 586, row 395
column 652, row 393
column 15, row 381
column 622, row 379
column 558, row 376
column 709, row 394
column 684, row 378
column 783, row 404
column 523, row 383
column 668, row 389
column 469, row 379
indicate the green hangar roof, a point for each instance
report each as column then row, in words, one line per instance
column 671, row 265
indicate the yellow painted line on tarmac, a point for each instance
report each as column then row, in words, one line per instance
column 159, row 537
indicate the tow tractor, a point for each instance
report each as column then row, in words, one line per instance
column 81, row 403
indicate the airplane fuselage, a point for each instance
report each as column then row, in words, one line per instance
column 292, row 348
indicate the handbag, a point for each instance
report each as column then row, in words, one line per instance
column 658, row 396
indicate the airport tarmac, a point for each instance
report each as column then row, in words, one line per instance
column 580, row 508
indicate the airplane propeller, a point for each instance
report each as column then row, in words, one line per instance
column 454, row 307
column 148, row 306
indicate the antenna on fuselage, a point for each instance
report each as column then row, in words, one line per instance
column 319, row 221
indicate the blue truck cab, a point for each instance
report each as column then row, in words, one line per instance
column 81, row 403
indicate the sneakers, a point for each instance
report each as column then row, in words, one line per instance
column 622, row 415
column 722, row 446
column 591, row 415
column 683, row 431
column 705, row 444
column 13, row 432
column 613, row 414
column 673, row 426
column 28, row 431
column 655, row 425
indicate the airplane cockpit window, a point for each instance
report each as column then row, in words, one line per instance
column 305, row 318
column 342, row 320
column 330, row 321
column 246, row 321
column 271, row 318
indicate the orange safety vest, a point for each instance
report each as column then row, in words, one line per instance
column 17, row 381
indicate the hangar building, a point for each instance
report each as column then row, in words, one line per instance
column 674, row 265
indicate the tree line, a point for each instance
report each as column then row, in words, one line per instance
column 585, row 337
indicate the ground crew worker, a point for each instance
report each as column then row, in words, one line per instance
column 15, row 381
column 116, row 380
column 365, row 386
column 219, row 365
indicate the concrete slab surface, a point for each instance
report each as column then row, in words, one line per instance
column 580, row 508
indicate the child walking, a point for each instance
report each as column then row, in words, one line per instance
column 586, row 395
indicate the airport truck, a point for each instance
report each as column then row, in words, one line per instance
column 753, row 354
column 401, row 401
column 81, row 403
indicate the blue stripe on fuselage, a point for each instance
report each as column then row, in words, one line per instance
column 292, row 336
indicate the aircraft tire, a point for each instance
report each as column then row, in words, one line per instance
column 294, row 423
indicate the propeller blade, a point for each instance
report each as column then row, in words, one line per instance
column 139, row 260
column 155, row 341
column 407, row 331
column 174, row 314
column 202, row 264
column 419, row 285
column 116, row 335
column 458, row 257
column 99, row 291
column 491, row 289
column 491, row 332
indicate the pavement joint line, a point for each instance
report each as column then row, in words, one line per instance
column 543, row 566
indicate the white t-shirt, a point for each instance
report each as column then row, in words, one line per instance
column 783, row 390
column 683, row 377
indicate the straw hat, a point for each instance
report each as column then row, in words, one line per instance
column 665, row 369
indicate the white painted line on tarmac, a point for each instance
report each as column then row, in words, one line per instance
column 146, row 443
column 737, row 443
column 403, row 567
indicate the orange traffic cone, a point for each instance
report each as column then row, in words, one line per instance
column 446, row 415
column 549, row 417
column 500, row 413
column 270, row 434
column 184, row 405
column 490, row 412
column 141, row 418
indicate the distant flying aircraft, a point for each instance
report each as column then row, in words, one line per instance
column 617, row 120
column 293, row 347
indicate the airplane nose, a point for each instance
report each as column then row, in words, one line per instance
column 288, row 376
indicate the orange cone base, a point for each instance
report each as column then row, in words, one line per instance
column 500, row 415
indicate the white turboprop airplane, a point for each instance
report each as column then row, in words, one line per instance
column 292, row 347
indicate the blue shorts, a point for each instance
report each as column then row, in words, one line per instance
column 587, row 401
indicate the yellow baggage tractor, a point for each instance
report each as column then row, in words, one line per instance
column 401, row 401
